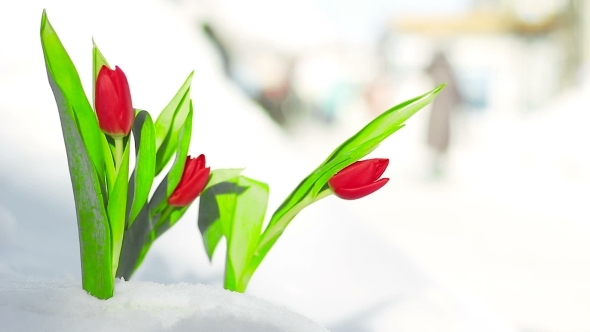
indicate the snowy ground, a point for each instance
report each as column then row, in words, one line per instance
column 35, row 304
column 503, row 238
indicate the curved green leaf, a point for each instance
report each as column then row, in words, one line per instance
column 222, row 175
column 387, row 123
column 184, row 139
column 109, row 163
column 145, row 165
column 98, row 60
column 117, row 207
column 169, row 123
column 93, row 224
column 208, row 218
column 246, row 224
column 234, row 209
column 63, row 73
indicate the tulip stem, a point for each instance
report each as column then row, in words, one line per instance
column 118, row 152
column 165, row 215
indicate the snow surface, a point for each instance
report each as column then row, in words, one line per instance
column 33, row 304
column 416, row 256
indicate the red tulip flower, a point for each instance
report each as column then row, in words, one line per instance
column 113, row 102
column 359, row 179
column 193, row 181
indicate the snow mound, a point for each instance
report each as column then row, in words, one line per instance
column 33, row 304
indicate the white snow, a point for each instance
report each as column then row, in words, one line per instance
column 34, row 304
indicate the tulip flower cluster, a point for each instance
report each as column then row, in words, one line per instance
column 120, row 217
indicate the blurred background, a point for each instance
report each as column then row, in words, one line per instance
column 485, row 224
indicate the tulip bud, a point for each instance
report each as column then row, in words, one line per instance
column 113, row 102
column 193, row 181
column 359, row 179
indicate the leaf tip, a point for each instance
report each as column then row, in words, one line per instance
column 44, row 20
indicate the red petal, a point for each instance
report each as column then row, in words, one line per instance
column 359, row 173
column 200, row 161
column 186, row 194
column 360, row 192
column 125, row 107
column 113, row 102
column 106, row 102
column 190, row 167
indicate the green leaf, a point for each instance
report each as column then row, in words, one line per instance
column 110, row 173
column 352, row 150
column 169, row 123
column 63, row 73
column 208, row 219
column 93, row 225
column 98, row 61
column 246, row 224
column 158, row 205
column 209, row 211
column 234, row 209
column 117, row 207
column 184, row 139
column 145, row 166
column 222, row 175
column 359, row 146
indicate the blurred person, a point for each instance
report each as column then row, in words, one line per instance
column 439, row 122
column 378, row 94
column 271, row 87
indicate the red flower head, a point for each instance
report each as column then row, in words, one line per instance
column 113, row 102
column 359, row 179
column 193, row 181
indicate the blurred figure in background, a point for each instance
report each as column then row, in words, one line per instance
column 439, row 122
column 271, row 86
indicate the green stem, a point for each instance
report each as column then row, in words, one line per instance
column 164, row 216
column 118, row 152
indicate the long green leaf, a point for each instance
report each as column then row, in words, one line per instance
column 388, row 122
column 145, row 165
column 117, row 207
column 248, row 217
column 169, row 123
column 222, row 175
column 93, row 225
column 159, row 202
column 62, row 71
column 208, row 219
column 184, row 139
column 111, row 175
column 98, row 60
column 238, row 214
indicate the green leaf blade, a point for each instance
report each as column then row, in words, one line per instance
column 117, row 208
column 145, row 166
column 98, row 60
column 170, row 122
column 390, row 121
column 93, row 225
column 63, row 73
column 247, row 223
column 184, row 138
